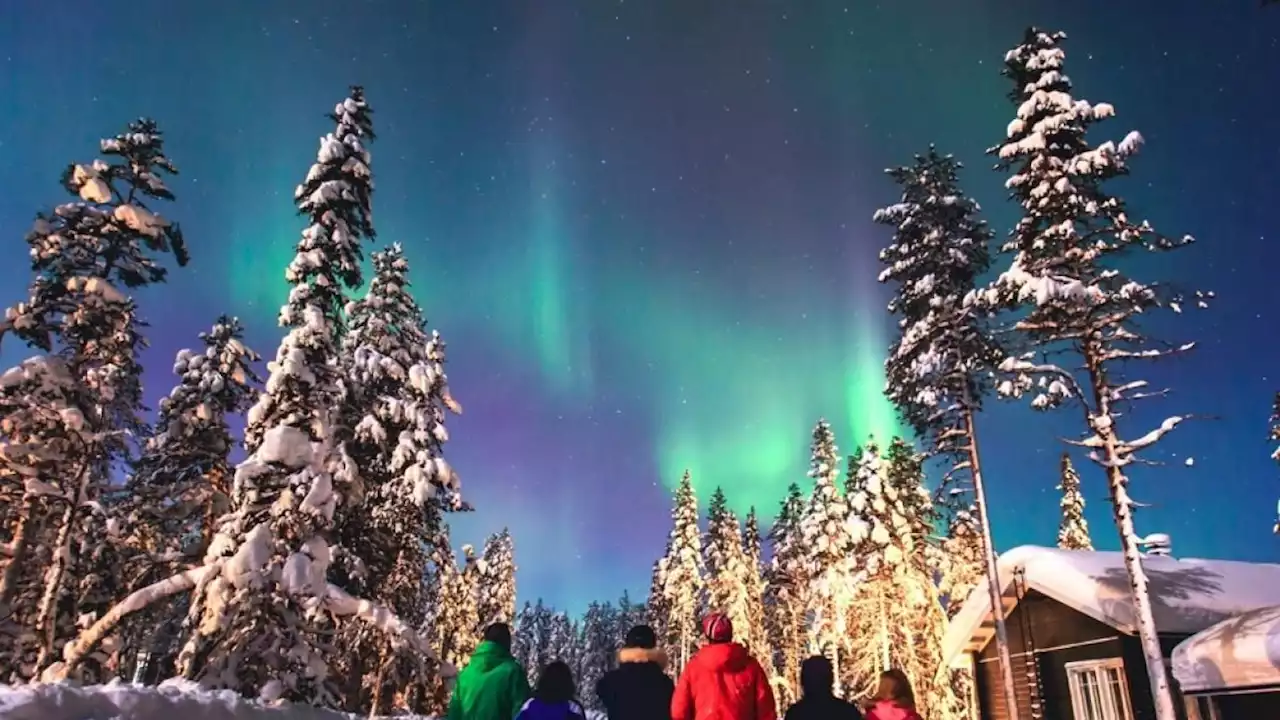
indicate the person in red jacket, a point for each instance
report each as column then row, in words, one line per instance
column 722, row 681
column 893, row 699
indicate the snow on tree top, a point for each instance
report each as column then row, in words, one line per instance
column 1188, row 594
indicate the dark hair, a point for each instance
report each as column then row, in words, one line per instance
column 817, row 677
column 499, row 633
column 896, row 688
column 641, row 636
column 555, row 684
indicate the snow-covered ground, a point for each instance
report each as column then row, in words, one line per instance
column 172, row 700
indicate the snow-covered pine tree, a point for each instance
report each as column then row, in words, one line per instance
column 1067, row 283
column 937, row 370
column 787, row 591
column 963, row 566
column 1073, row 532
column 396, row 402
column 598, row 652
column 531, row 644
column 629, row 615
column 497, row 593
column 181, row 484
column 825, row 532
column 657, row 610
column 898, row 615
column 562, row 640
column 683, row 575
column 755, row 584
column 68, row 415
column 261, row 596
column 728, row 570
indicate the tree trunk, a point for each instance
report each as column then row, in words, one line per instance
column 1122, row 512
column 994, row 588
column 47, row 615
column 385, row 658
column 9, row 580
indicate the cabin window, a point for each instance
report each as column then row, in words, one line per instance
column 1201, row 708
column 1099, row 690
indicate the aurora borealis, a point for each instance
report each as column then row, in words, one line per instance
column 644, row 228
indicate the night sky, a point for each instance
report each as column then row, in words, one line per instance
column 644, row 227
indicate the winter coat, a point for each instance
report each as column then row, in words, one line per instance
column 819, row 707
column 637, row 689
column 889, row 710
column 492, row 686
column 536, row 709
column 723, row 682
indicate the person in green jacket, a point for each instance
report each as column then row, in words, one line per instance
column 492, row 686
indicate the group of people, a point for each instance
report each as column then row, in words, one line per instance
column 722, row 681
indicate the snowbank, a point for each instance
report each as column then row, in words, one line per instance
column 172, row 700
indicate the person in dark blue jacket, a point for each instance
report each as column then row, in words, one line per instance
column 639, row 688
column 554, row 697
column 817, row 679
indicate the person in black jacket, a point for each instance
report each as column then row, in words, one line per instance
column 817, row 680
column 638, row 689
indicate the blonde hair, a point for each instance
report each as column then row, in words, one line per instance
column 894, row 687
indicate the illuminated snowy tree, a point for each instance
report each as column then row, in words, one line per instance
column 1073, row 532
column 962, row 556
column 937, row 370
column 683, row 576
column 755, row 582
column 1068, row 283
column 898, row 615
column 728, row 576
column 787, row 592
column 829, row 551
column 496, row 600
column 69, row 415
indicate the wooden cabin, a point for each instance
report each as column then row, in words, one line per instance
column 1231, row 670
column 1072, row 631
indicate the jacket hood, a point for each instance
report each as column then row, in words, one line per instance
column 643, row 655
column 886, row 710
column 490, row 655
column 729, row 656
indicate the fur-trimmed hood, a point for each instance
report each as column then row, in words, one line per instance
column 643, row 655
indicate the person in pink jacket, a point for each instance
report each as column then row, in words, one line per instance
column 893, row 699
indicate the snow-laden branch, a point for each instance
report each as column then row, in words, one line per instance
column 1152, row 354
column 79, row 648
column 340, row 603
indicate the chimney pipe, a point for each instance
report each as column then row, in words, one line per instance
column 1158, row 545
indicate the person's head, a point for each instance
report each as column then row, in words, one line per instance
column 498, row 634
column 817, row 677
column 717, row 629
column 895, row 688
column 555, row 684
column 641, row 636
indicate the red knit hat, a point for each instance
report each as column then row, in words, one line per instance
column 717, row 628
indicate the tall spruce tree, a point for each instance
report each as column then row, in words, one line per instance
column 963, row 558
column 728, row 571
column 262, row 601
column 496, row 600
column 68, row 415
column 181, row 484
column 598, row 653
column 1073, row 532
column 898, row 613
column 683, row 575
column 937, row 370
column 657, row 610
column 825, row 532
column 396, row 402
column 787, row 592
column 755, row 584
column 1068, row 284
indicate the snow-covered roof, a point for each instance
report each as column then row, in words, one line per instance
column 1238, row 653
column 1187, row 595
